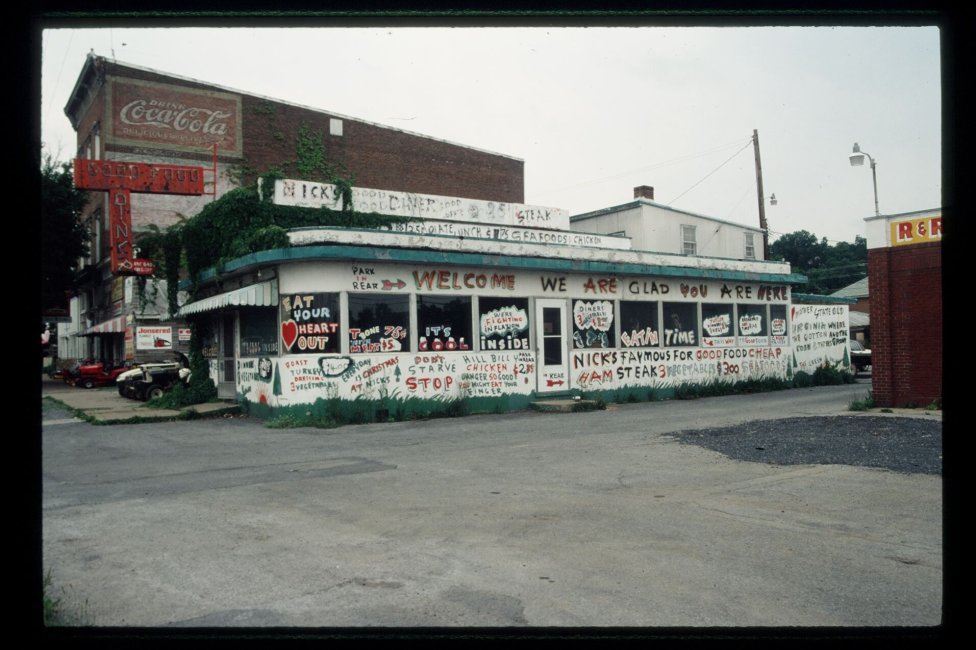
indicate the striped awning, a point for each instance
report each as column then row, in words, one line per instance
column 256, row 295
column 113, row 326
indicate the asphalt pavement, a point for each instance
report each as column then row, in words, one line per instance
column 529, row 521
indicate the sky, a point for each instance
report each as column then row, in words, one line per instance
column 595, row 111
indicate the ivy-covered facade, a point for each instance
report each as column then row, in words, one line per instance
column 130, row 114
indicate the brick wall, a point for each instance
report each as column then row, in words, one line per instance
column 378, row 157
column 906, row 324
column 372, row 156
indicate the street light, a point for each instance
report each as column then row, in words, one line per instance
column 857, row 159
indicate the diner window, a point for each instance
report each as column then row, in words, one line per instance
column 778, row 324
column 378, row 323
column 310, row 323
column 753, row 320
column 680, row 324
column 443, row 323
column 689, row 245
column 639, row 324
column 593, row 324
column 503, row 323
column 717, row 325
column 259, row 332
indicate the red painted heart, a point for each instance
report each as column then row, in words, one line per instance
column 289, row 333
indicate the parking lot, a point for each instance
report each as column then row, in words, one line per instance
column 588, row 520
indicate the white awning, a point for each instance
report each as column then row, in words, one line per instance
column 113, row 326
column 256, row 295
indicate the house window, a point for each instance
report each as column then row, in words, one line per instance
column 102, row 247
column 750, row 245
column 688, row 244
column 378, row 323
column 443, row 323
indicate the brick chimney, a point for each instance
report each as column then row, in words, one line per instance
column 644, row 192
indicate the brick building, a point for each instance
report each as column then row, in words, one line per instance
column 905, row 274
column 127, row 113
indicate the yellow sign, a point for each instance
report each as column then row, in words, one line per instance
column 916, row 231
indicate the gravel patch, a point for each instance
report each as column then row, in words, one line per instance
column 907, row 445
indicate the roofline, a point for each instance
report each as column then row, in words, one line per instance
column 642, row 201
column 900, row 214
column 275, row 256
column 281, row 101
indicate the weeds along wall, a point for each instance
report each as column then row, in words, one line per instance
column 352, row 339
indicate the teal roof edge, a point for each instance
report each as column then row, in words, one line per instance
column 821, row 299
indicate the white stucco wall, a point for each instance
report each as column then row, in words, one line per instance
column 653, row 227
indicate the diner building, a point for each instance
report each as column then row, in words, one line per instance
column 469, row 306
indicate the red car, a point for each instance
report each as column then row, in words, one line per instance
column 90, row 375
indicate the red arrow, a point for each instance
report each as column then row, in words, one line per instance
column 554, row 382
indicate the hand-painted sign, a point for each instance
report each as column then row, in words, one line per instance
column 138, row 177
column 120, row 179
column 310, row 323
column 916, row 231
column 146, row 113
column 425, row 206
column 750, row 324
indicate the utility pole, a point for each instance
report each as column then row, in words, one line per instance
column 759, row 188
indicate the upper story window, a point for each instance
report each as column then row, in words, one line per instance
column 99, row 248
column 85, row 150
column 689, row 244
column 90, row 148
column 750, row 246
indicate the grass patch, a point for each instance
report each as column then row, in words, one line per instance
column 865, row 404
column 295, row 421
column 56, row 611
column 182, row 395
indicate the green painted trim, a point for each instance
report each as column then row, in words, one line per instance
column 426, row 256
column 815, row 298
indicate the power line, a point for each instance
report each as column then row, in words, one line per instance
column 638, row 169
column 711, row 172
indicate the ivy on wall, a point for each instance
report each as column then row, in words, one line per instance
column 237, row 224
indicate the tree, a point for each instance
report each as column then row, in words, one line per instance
column 64, row 239
column 801, row 249
column 828, row 268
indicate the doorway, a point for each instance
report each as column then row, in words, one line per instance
column 550, row 340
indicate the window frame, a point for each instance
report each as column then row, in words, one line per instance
column 687, row 241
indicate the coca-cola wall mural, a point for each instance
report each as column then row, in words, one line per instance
column 176, row 117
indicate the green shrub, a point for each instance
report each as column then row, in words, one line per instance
column 862, row 405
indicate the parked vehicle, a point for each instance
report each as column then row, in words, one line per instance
column 91, row 374
column 860, row 356
column 151, row 380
